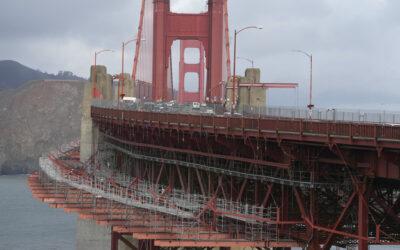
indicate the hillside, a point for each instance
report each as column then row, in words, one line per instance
column 36, row 117
column 14, row 74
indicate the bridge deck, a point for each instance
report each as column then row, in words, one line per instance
column 315, row 131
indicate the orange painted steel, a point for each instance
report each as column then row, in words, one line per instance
column 232, row 243
column 138, row 42
column 369, row 138
column 172, row 236
column 159, row 228
column 227, row 41
column 218, row 156
column 145, row 228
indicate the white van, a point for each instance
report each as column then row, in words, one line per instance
column 128, row 99
column 196, row 105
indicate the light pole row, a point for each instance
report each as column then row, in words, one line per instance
column 122, row 78
column 94, row 76
column 251, row 61
column 234, row 83
column 310, row 105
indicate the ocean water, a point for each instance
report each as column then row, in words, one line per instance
column 27, row 224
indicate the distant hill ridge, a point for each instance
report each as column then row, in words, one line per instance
column 13, row 75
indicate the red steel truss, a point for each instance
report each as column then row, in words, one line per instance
column 138, row 41
column 334, row 183
column 331, row 184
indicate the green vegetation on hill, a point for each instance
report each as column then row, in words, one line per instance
column 14, row 74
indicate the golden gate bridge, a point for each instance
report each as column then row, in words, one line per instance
column 224, row 174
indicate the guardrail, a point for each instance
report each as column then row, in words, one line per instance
column 351, row 133
column 332, row 115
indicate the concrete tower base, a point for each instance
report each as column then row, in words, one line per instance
column 90, row 236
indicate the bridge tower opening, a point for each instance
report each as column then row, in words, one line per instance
column 191, row 72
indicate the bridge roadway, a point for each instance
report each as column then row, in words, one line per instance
column 384, row 139
column 380, row 136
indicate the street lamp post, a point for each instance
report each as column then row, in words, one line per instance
column 94, row 78
column 139, row 94
column 247, row 59
column 310, row 105
column 234, row 64
column 252, row 66
column 121, row 93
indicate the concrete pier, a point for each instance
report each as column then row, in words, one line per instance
column 129, row 86
column 247, row 96
column 102, row 80
column 90, row 236
column 89, row 134
column 86, row 125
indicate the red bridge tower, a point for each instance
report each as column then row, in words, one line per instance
column 208, row 28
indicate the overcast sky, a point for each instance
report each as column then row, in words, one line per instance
column 355, row 43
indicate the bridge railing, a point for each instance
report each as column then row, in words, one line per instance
column 336, row 115
column 286, row 122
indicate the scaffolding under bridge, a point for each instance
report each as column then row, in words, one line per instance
column 98, row 191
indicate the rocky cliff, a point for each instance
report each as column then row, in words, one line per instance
column 38, row 116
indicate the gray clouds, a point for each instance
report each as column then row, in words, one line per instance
column 53, row 35
column 354, row 42
column 30, row 18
